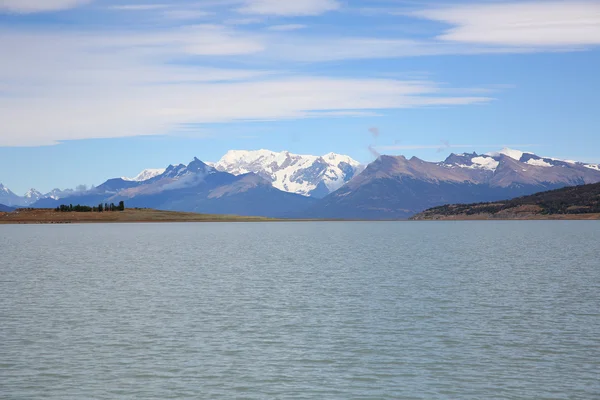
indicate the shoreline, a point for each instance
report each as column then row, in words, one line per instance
column 144, row 216
column 491, row 217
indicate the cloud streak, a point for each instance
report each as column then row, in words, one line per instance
column 63, row 86
column 288, row 7
column 36, row 6
column 533, row 24
column 139, row 7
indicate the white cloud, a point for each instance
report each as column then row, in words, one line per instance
column 33, row 6
column 284, row 28
column 101, row 110
column 200, row 40
column 65, row 86
column 139, row 7
column 186, row 14
column 317, row 49
column 288, row 7
column 535, row 24
column 171, row 11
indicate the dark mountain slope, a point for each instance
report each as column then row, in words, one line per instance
column 584, row 199
column 4, row 208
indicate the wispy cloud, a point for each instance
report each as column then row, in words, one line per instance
column 524, row 23
column 139, row 7
column 186, row 14
column 34, row 6
column 288, row 7
column 172, row 11
column 64, row 86
column 285, row 28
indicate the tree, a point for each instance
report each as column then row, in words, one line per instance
column 121, row 205
column 100, row 208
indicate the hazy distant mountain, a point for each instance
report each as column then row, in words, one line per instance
column 7, row 197
column 314, row 176
column 4, row 208
column 146, row 174
column 195, row 187
column 396, row 187
column 32, row 196
column 58, row 194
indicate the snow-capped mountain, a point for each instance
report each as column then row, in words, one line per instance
column 32, row 196
column 146, row 174
column 195, row 187
column 8, row 198
column 397, row 187
column 56, row 194
column 314, row 176
column 490, row 161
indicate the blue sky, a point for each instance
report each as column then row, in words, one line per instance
column 91, row 90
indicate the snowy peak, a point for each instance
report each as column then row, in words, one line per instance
column 8, row 198
column 32, row 196
column 472, row 161
column 514, row 154
column 307, row 175
column 195, row 167
column 146, row 174
column 509, row 166
column 593, row 166
column 56, row 194
column 32, row 193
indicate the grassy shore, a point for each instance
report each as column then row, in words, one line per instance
column 50, row 216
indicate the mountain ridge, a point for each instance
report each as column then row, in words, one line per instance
column 394, row 187
column 308, row 175
column 195, row 187
column 391, row 187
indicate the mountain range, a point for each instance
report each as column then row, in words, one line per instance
column 266, row 183
column 195, row 187
column 314, row 176
column 395, row 187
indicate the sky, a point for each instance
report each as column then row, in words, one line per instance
column 91, row 90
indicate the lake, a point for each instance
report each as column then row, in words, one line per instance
column 316, row 310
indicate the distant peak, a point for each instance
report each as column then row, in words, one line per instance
column 512, row 153
column 147, row 174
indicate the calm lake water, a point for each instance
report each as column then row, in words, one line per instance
column 450, row 310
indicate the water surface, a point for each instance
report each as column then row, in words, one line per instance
column 450, row 310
